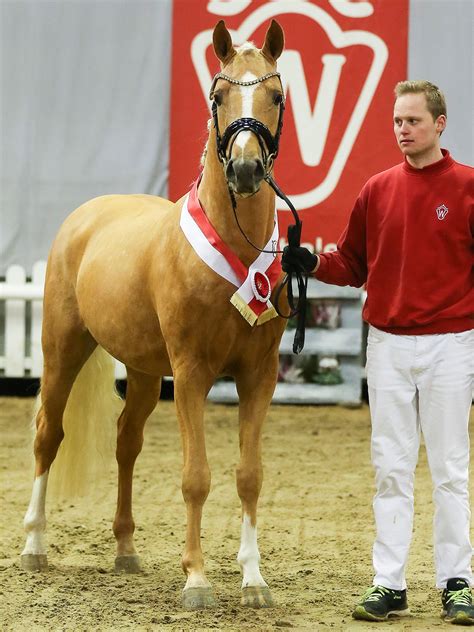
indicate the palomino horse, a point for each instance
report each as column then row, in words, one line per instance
column 174, row 289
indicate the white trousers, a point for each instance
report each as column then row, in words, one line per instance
column 420, row 384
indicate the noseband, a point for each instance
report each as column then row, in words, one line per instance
column 269, row 143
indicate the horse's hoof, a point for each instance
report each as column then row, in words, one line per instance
column 127, row 564
column 32, row 562
column 198, row 598
column 257, row 597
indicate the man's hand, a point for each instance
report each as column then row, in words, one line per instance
column 298, row 259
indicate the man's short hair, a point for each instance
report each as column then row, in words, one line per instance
column 435, row 101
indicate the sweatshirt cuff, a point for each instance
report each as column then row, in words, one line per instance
column 321, row 268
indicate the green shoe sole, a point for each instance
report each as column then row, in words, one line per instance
column 462, row 618
column 361, row 614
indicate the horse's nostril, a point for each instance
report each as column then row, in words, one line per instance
column 259, row 171
column 230, row 171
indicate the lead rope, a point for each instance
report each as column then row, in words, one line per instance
column 297, row 308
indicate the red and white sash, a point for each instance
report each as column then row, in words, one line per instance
column 254, row 283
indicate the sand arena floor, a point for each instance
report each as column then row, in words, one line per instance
column 315, row 531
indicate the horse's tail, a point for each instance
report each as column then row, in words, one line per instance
column 85, row 454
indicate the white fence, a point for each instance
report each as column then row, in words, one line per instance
column 21, row 314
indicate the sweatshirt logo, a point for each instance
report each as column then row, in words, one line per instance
column 442, row 211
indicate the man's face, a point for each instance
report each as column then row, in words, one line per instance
column 416, row 132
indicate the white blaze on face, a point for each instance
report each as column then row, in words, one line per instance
column 35, row 518
column 249, row 556
column 246, row 93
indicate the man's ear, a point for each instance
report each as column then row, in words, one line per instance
column 441, row 123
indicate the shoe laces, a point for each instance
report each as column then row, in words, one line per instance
column 461, row 597
column 375, row 593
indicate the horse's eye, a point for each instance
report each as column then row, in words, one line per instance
column 277, row 98
column 217, row 96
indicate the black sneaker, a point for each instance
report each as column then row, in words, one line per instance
column 457, row 602
column 379, row 603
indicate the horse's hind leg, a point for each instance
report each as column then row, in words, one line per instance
column 143, row 392
column 66, row 349
column 253, row 405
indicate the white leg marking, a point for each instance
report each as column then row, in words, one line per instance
column 249, row 557
column 35, row 518
column 246, row 93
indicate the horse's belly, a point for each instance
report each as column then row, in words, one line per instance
column 136, row 347
column 116, row 307
column 132, row 336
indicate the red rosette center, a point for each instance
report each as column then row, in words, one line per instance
column 261, row 286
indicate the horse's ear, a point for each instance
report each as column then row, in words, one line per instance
column 274, row 42
column 222, row 42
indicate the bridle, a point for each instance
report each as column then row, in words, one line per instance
column 269, row 147
column 269, row 143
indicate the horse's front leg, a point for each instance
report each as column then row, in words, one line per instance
column 189, row 397
column 255, row 398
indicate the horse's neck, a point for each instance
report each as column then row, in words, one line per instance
column 256, row 214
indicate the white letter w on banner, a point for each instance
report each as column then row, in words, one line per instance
column 312, row 124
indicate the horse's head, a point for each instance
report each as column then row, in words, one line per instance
column 248, row 104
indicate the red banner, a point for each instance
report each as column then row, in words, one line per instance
column 341, row 62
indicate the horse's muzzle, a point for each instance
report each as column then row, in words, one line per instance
column 245, row 176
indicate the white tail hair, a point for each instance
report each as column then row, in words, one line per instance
column 89, row 423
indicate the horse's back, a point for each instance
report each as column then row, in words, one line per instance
column 113, row 219
column 106, row 209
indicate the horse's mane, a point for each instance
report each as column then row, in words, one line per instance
column 204, row 151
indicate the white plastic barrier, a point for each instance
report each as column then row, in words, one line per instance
column 21, row 314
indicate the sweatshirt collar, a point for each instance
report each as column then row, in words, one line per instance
column 435, row 168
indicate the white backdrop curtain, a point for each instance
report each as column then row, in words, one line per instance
column 85, row 90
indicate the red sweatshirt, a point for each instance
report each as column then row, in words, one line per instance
column 410, row 238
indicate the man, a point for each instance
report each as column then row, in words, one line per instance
column 410, row 239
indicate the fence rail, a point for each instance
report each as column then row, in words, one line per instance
column 21, row 315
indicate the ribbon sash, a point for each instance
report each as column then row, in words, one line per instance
column 254, row 283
